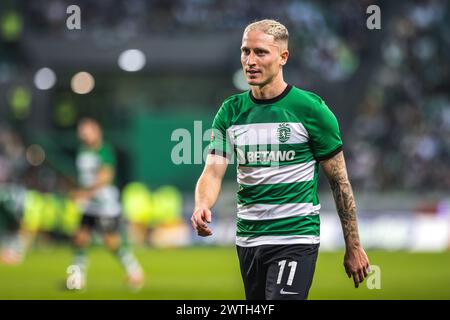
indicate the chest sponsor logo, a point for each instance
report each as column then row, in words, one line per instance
column 264, row 156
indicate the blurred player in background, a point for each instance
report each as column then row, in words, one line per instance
column 13, row 167
column 279, row 135
column 99, row 200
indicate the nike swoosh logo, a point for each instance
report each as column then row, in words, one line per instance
column 238, row 134
column 287, row 292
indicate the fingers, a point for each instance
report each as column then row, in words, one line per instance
column 204, row 233
column 365, row 271
column 361, row 275
column 349, row 274
column 358, row 276
column 199, row 221
column 193, row 223
column 356, row 279
column 208, row 216
column 356, row 265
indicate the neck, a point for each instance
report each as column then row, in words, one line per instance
column 269, row 90
column 95, row 146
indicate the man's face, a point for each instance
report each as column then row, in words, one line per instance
column 89, row 133
column 261, row 57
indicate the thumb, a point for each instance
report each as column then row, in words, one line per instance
column 208, row 215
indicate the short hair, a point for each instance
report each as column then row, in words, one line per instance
column 270, row 27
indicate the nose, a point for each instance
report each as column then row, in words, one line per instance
column 251, row 59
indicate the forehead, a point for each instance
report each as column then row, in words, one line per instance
column 257, row 38
column 87, row 125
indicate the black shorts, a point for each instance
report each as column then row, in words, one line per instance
column 101, row 224
column 278, row 272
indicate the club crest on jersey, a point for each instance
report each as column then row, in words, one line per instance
column 283, row 132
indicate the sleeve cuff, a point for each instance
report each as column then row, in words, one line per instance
column 330, row 155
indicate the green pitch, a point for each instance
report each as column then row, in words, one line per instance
column 213, row 273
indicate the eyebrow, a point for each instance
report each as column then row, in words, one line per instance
column 254, row 49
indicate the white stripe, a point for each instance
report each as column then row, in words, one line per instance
column 266, row 133
column 273, row 175
column 276, row 211
column 274, row 240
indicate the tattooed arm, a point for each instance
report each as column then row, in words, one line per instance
column 356, row 262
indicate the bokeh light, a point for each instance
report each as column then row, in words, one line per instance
column 44, row 79
column 132, row 60
column 20, row 102
column 35, row 155
column 239, row 80
column 82, row 82
column 65, row 114
column 11, row 25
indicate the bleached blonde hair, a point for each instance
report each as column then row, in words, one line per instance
column 270, row 27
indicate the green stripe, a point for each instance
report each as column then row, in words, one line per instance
column 303, row 154
column 302, row 225
column 281, row 193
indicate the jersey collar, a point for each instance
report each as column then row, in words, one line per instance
column 271, row 100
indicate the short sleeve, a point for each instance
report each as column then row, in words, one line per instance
column 220, row 143
column 323, row 130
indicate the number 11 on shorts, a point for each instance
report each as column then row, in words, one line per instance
column 292, row 265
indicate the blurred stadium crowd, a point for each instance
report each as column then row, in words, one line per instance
column 399, row 133
column 326, row 36
column 392, row 85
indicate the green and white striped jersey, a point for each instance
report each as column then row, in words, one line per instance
column 278, row 144
column 106, row 201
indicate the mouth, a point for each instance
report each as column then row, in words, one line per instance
column 252, row 74
column 252, row 71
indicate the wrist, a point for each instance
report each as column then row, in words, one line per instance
column 353, row 244
column 201, row 205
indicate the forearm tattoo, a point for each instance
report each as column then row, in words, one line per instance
column 336, row 172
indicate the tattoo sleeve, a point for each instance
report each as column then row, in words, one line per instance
column 336, row 172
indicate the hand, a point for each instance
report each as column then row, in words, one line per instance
column 356, row 264
column 199, row 220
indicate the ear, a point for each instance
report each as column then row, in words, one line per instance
column 284, row 57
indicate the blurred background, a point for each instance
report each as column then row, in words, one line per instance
column 154, row 74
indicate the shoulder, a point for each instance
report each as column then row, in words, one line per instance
column 235, row 100
column 232, row 106
column 310, row 104
column 307, row 99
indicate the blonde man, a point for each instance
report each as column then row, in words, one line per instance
column 279, row 135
